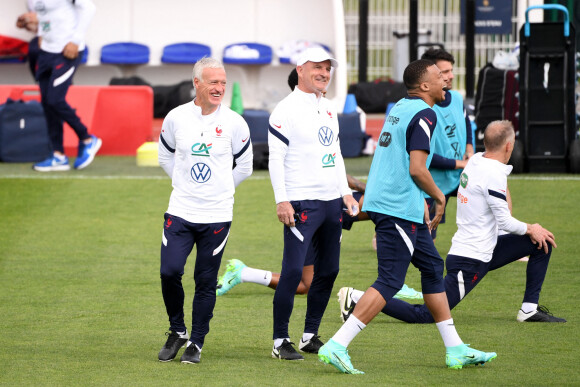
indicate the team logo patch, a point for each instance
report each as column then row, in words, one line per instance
column 328, row 160
column 325, row 135
column 168, row 223
column 200, row 173
column 450, row 130
column 385, row 139
column 200, row 149
column 218, row 130
column 463, row 180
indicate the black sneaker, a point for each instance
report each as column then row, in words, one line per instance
column 286, row 351
column 542, row 314
column 191, row 355
column 172, row 345
column 310, row 346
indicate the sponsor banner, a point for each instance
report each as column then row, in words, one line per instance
column 491, row 16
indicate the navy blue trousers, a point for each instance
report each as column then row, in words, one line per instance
column 463, row 275
column 179, row 237
column 319, row 222
column 54, row 74
column 399, row 243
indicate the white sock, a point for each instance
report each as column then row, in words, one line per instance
column 356, row 295
column 528, row 307
column 256, row 276
column 307, row 336
column 448, row 333
column 278, row 342
column 183, row 335
column 348, row 331
column 60, row 157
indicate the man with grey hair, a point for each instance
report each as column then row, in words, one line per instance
column 483, row 203
column 198, row 144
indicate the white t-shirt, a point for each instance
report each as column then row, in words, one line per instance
column 482, row 209
column 305, row 160
column 61, row 22
column 198, row 153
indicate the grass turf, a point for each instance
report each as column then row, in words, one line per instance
column 81, row 302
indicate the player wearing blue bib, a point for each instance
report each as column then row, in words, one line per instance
column 477, row 248
column 394, row 202
column 452, row 143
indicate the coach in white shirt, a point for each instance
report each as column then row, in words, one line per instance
column 309, row 181
column 483, row 209
column 198, row 144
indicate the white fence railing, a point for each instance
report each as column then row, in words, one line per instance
column 440, row 17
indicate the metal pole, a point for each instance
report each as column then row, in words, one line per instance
column 469, row 49
column 413, row 29
column 363, row 38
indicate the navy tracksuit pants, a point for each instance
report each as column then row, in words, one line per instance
column 463, row 275
column 54, row 74
column 320, row 224
column 179, row 236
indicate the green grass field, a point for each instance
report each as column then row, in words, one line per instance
column 81, row 301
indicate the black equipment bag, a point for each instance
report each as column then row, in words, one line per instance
column 373, row 97
column 23, row 132
column 165, row 97
column 495, row 99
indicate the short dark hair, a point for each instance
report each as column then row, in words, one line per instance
column 293, row 79
column 437, row 54
column 494, row 139
column 414, row 72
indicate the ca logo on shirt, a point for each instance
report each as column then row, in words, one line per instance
column 328, row 160
column 200, row 149
column 200, row 173
column 325, row 135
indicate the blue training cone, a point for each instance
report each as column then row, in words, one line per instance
column 349, row 104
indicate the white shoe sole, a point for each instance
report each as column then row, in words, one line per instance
column 53, row 168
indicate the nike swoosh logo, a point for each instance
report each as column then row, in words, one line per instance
column 346, row 302
column 344, row 365
column 426, row 119
column 246, row 139
column 278, row 126
column 471, row 357
column 218, row 231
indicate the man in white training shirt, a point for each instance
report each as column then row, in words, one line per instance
column 198, row 144
column 483, row 203
column 310, row 187
column 62, row 25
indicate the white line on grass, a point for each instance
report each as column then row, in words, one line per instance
column 254, row 177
